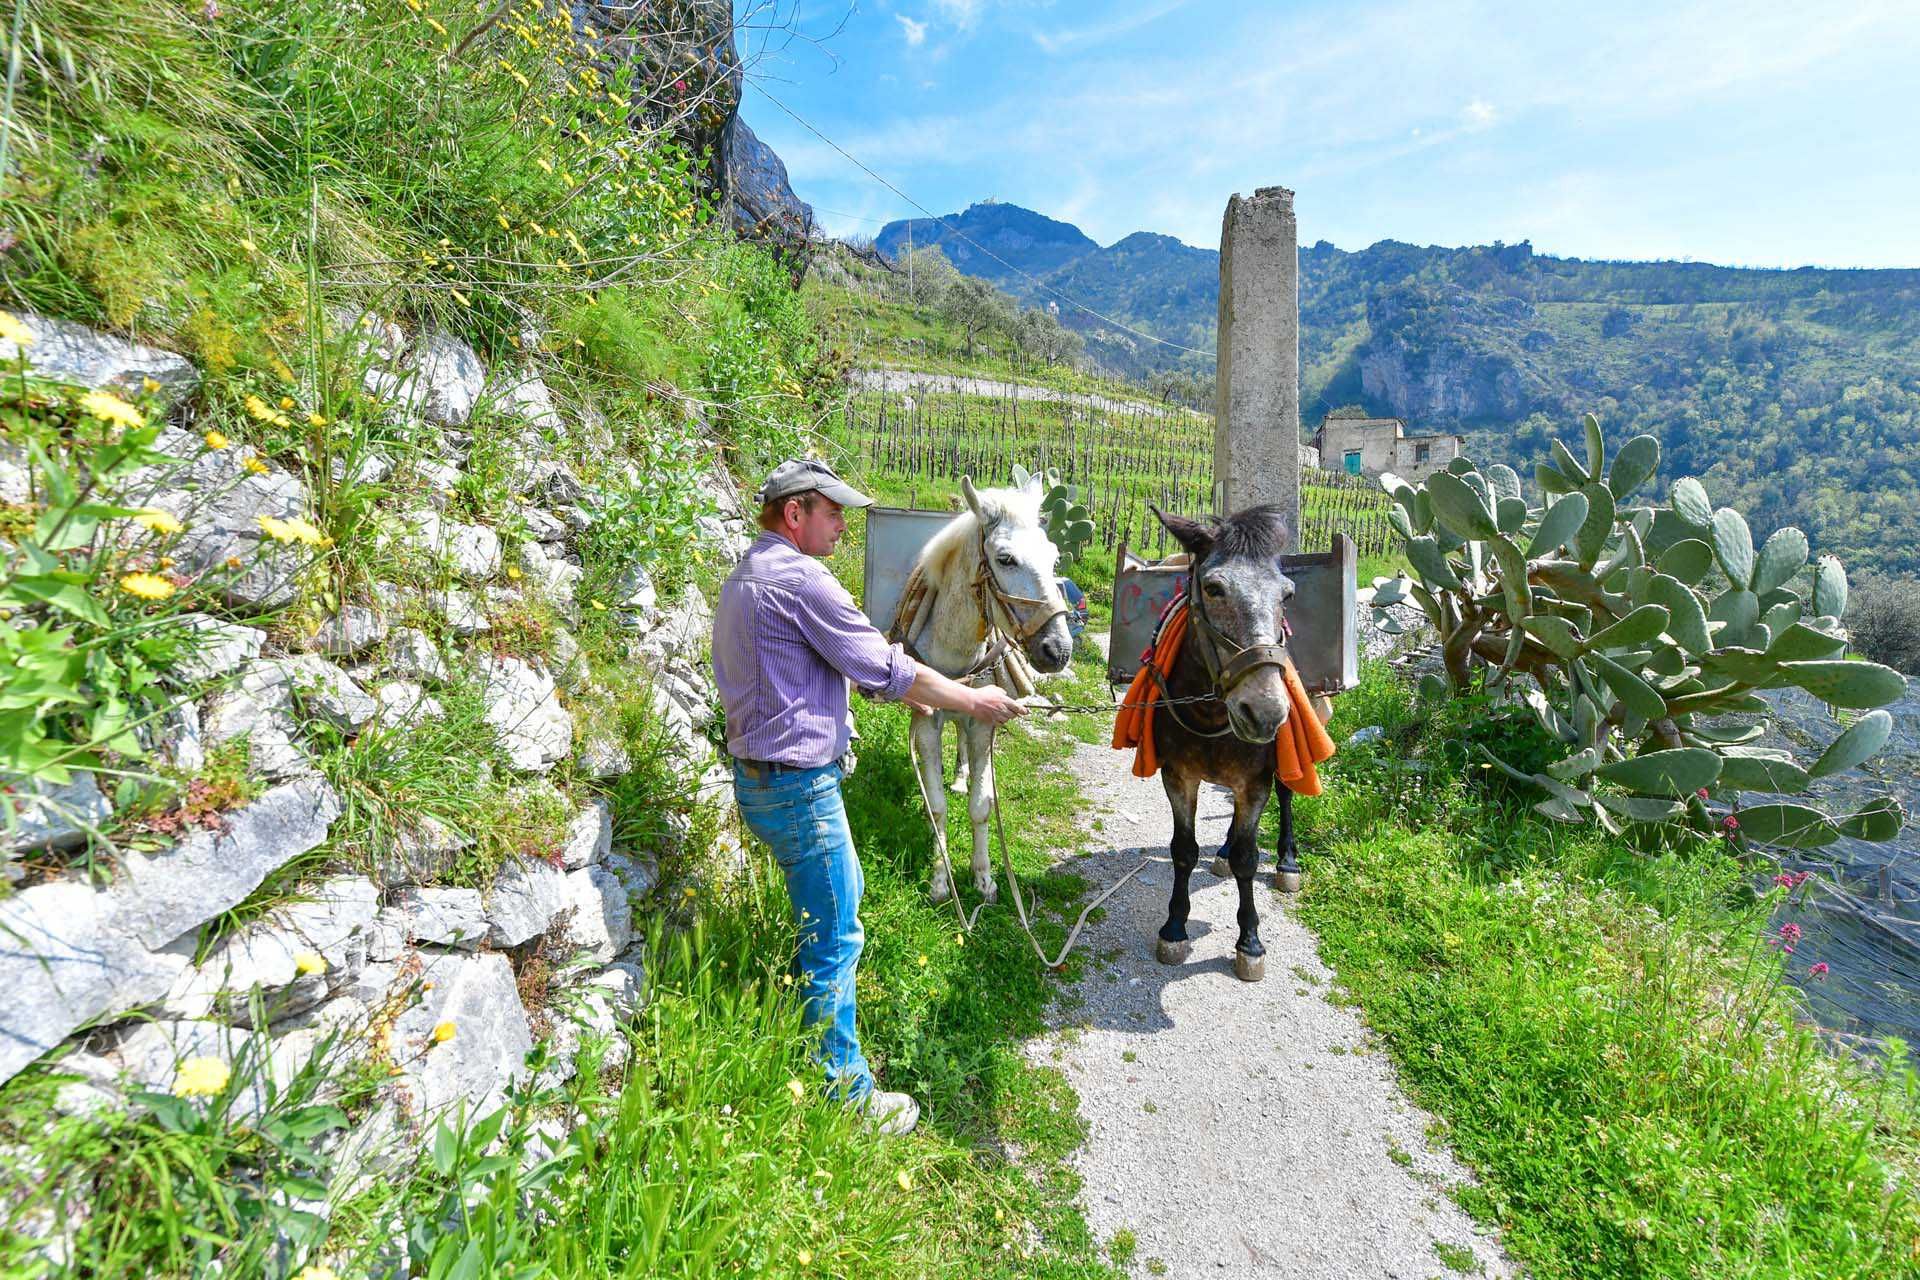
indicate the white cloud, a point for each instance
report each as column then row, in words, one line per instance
column 961, row 13
column 915, row 32
column 1067, row 38
column 1478, row 114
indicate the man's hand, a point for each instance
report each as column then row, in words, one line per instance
column 991, row 705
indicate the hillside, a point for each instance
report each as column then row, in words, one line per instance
column 1795, row 393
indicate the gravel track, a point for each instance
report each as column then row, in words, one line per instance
column 1254, row 1129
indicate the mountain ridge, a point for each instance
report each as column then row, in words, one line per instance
column 1794, row 391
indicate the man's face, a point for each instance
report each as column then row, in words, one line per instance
column 816, row 531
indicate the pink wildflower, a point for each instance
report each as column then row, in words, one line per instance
column 1818, row 971
column 1731, row 823
column 1789, row 936
column 1702, row 793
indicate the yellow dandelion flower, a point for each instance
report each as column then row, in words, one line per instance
column 435, row 25
column 154, row 520
column 13, row 331
column 524, row 82
column 797, row 1089
column 414, row 5
column 545, row 164
column 286, row 402
column 443, row 1033
column 803, row 1257
column 316, row 420
column 214, row 440
column 149, row 386
column 166, row 562
column 513, row 572
column 537, row 228
column 563, row 264
column 923, row 960
column 200, row 1077
column 548, row 121
column 108, row 407
column 249, row 245
column 282, row 368
column 147, row 586
column 316, row 1272
column 308, row 963
column 254, row 466
column 905, row 1180
column 293, row 529
column 461, row 298
column 501, row 218
column 258, row 409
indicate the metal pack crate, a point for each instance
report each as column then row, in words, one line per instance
column 894, row 538
column 1321, row 613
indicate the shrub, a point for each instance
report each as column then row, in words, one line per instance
column 1883, row 617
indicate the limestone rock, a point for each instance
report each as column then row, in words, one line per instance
column 220, row 502
column 636, row 591
column 352, row 631
column 542, row 525
column 331, row 921
column 462, row 612
column 638, row 874
column 212, row 647
column 523, row 707
column 151, row 1054
column 471, row 550
column 490, row 1042
column 589, row 836
column 164, row 894
column 583, row 1014
column 444, row 917
column 420, row 852
column 270, row 731
column 451, row 378
column 67, row 352
column 65, row 960
column 602, row 922
column 404, row 704
column 626, row 982
column 308, row 683
column 602, row 757
column 524, row 395
column 46, row 816
column 366, row 336
column 554, row 579
column 527, row 894
column 411, row 655
column 569, row 665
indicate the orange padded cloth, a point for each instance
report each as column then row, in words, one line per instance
column 1303, row 741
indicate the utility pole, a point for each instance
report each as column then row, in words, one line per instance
column 1256, row 442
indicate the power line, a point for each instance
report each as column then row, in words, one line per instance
column 958, row 233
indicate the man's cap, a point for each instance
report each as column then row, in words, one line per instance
column 804, row 475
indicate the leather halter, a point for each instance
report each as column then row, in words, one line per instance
column 1242, row 662
column 1019, row 618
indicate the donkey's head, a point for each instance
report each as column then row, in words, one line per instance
column 1020, row 559
column 1240, row 597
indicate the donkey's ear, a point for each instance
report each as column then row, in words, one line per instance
column 1035, row 483
column 1197, row 538
column 971, row 494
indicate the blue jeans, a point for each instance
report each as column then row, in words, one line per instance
column 800, row 815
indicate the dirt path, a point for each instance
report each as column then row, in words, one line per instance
column 1237, row 1129
column 914, row 382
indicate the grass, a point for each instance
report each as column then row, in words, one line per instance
column 1605, row 1034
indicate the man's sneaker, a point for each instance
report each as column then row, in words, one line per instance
column 891, row 1113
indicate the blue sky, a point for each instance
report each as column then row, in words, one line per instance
column 1758, row 134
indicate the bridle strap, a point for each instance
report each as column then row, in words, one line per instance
column 1241, row 660
column 1022, row 617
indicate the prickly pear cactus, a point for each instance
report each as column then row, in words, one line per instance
column 1647, row 629
column 1069, row 525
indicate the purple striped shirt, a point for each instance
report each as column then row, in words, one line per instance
column 787, row 639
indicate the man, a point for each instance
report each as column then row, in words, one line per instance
column 787, row 642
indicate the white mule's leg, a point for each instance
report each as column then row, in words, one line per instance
column 959, row 787
column 927, row 759
column 980, row 792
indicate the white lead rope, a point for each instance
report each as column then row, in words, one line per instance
column 1006, row 861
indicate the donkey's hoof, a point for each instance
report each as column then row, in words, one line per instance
column 939, row 892
column 989, row 892
column 1171, row 952
column 1222, row 868
column 1287, row 881
column 1249, row 968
